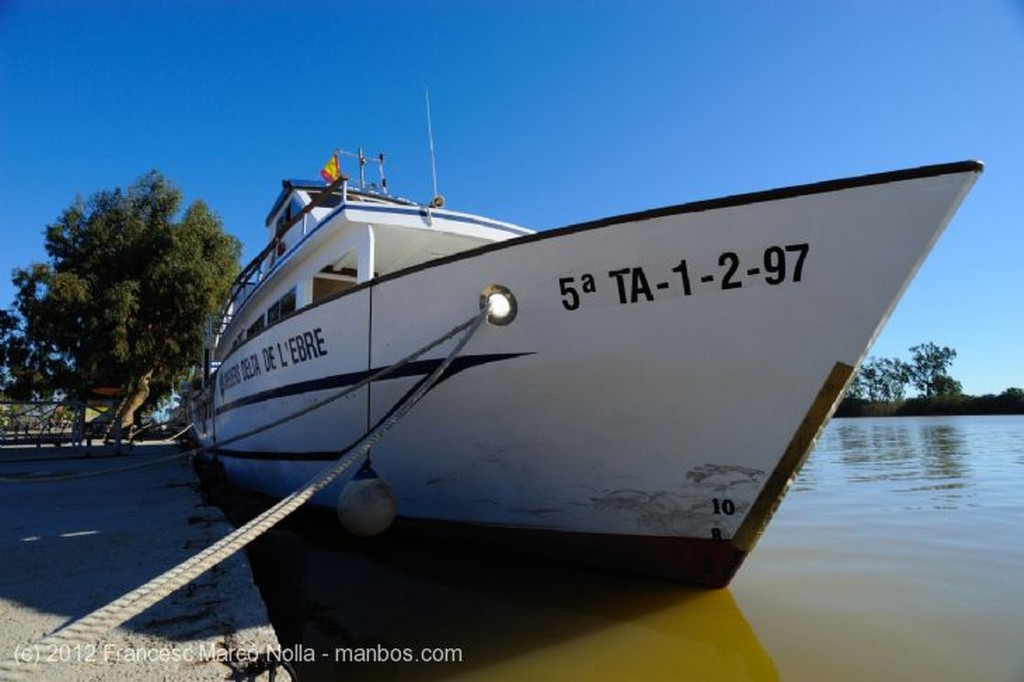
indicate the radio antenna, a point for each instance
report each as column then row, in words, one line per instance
column 438, row 200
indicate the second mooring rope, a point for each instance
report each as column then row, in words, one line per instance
column 376, row 376
column 90, row 627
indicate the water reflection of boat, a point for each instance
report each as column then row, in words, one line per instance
column 515, row 619
column 656, row 383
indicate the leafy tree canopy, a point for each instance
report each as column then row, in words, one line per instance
column 123, row 300
column 886, row 379
column 881, row 380
column 930, row 364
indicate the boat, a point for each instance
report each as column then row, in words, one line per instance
column 643, row 400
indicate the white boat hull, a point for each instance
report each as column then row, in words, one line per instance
column 663, row 379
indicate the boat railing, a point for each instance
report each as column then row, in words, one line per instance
column 253, row 274
column 216, row 324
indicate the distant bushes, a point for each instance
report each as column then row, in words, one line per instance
column 1010, row 401
column 879, row 386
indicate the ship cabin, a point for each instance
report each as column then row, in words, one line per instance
column 324, row 239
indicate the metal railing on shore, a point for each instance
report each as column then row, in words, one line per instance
column 62, row 422
column 42, row 422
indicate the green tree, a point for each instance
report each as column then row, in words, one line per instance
column 124, row 297
column 894, row 375
column 929, row 367
column 947, row 385
column 881, row 380
column 8, row 336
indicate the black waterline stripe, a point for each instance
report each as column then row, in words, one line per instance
column 339, row 381
column 333, row 455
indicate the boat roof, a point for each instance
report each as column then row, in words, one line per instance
column 288, row 186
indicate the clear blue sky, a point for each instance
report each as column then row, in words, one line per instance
column 546, row 113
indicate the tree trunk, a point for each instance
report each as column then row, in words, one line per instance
column 137, row 396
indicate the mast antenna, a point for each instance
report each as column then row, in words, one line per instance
column 438, row 200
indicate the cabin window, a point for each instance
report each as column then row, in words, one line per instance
column 283, row 307
column 255, row 328
column 293, row 209
column 326, row 286
column 332, row 201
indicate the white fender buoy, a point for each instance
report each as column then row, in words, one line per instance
column 366, row 505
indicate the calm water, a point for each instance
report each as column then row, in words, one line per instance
column 897, row 555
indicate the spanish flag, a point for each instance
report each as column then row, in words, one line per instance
column 331, row 170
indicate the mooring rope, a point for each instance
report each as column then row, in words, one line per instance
column 376, row 376
column 90, row 627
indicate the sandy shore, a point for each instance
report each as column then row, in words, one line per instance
column 71, row 547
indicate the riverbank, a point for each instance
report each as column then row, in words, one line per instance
column 1010, row 401
column 72, row 546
